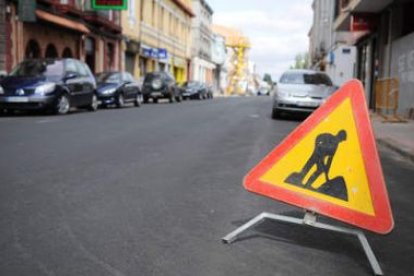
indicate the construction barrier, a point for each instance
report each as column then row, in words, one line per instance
column 386, row 99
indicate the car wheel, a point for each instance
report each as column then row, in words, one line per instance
column 275, row 114
column 63, row 105
column 138, row 100
column 94, row 104
column 172, row 99
column 120, row 101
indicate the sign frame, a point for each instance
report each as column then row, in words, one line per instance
column 382, row 222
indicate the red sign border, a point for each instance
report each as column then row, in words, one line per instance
column 382, row 222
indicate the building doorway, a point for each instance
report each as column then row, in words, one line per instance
column 90, row 53
column 67, row 53
column 130, row 63
column 32, row 50
column 51, row 51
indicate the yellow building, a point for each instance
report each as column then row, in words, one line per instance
column 130, row 22
column 157, row 37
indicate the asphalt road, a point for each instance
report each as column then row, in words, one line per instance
column 152, row 190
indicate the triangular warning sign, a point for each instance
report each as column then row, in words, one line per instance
column 330, row 165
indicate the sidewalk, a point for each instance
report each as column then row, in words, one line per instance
column 396, row 136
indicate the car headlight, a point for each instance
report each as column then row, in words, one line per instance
column 1, row 90
column 45, row 89
column 283, row 94
column 156, row 84
column 108, row 91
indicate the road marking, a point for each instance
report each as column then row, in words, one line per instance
column 45, row 121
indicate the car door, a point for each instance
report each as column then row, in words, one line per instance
column 73, row 82
column 127, row 85
column 86, row 82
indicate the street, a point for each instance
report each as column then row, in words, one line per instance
column 152, row 190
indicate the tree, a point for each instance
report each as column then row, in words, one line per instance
column 267, row 78
column 301, row 61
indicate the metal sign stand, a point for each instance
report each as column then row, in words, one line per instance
column 310, row 220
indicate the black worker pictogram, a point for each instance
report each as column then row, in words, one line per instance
column 320, row 161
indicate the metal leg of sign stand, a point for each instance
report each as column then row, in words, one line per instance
column 310, row 220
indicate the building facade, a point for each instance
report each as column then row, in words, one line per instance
column 383, row 33
column 131, row 31
column 202, row 39
column 218, row 57
column 164, row 36
column 62, row 28
column 329, row 50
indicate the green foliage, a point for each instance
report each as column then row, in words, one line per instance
column 267, row 78
column 301, row 61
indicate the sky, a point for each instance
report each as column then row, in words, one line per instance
column 278, row 29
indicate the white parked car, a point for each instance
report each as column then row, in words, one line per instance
column 301, row 91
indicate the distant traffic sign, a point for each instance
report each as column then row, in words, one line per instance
column 330, row 165
column 110, row 4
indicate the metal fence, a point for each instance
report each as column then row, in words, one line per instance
column 386, row 99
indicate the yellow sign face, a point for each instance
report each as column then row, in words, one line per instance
column 327, row 164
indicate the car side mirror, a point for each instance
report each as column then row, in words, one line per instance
column 70, row 76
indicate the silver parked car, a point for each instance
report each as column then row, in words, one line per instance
column 301, row 91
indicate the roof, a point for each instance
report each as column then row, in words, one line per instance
column 184, row 7
column 305, row 71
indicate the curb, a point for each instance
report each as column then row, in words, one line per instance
column 393, row 147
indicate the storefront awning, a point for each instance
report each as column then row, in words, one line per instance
column 62, row 21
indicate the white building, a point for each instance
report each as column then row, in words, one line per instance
column 330, row 50
column 218, row 57
column 202, row 66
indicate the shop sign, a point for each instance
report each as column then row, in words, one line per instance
column 27, row 10
column 363, row 22
column 109, row 4
column 155, row 53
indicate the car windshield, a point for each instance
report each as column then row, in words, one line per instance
column 151, row 76
column 305, row 78
column 39, row 68
column 109, row 77
column 190, row 84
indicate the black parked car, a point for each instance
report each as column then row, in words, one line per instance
column 160, row 85
column 49, row 84
column 118, row 88
column 194, row 90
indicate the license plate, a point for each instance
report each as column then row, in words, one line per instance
column 307, row 104
column 156, row 94
column 18, row 99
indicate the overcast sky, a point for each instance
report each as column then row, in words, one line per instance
column 278, row 29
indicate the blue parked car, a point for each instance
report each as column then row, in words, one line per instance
column 50, row 85
column 118, row 88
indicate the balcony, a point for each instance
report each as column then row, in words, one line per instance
column 107, row 19
column 64, row 6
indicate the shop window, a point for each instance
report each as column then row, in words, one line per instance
column 32, row 50
column 110, row 55
column 51, row 51
column 67, row 53
column 90, row 53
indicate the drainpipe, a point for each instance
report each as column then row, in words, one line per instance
column 390, row 25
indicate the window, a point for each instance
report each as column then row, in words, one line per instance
column 81, row 69
column 131, row 12
column 71, row 66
